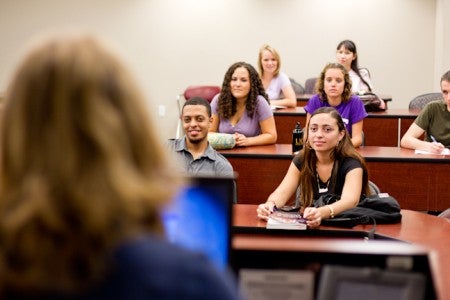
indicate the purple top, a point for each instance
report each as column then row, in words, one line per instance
column 351, row 112
column 248, row 126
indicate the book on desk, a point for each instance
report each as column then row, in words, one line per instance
column 286, row 220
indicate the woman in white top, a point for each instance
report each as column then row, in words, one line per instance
column 347, row 56
column 277, row 84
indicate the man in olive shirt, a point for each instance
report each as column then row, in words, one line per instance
column 196, row 155
column 434, row 120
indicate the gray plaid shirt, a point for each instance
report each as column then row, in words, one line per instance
column 211, row 163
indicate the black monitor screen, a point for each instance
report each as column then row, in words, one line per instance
column 369, row 283
column 199, row 218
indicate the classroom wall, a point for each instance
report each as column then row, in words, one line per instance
column 171, row 44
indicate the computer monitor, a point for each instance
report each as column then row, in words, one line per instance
column 199, row 217
column 369, row 283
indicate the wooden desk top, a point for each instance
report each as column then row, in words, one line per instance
column 370, row 153
column 390, row 113
column 281, row 150
column 305, row 97
column 430, row 232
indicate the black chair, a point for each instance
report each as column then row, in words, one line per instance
column 298, row 88
column 374, row 189
column 420, row 101
column 310, row 85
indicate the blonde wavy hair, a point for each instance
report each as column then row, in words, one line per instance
column 81, row 168
column 274, row 53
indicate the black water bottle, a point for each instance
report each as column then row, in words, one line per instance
column 297, row 138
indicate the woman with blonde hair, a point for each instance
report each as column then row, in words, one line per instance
column 277, row 84
column 82, row 180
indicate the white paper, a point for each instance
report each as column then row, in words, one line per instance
column 446, row 151
column 276, row 107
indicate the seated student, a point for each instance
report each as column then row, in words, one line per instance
column 334, row 89
column 347, row 56
column 242, row 108
column 434, row 120
column 327, row 164
column 83, row 178
column 197, row 156
column 276, row 83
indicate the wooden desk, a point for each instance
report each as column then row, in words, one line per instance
column 260, row 170
column 417, row 181
column 411, row 229
column 380, row 128
column 302, row 99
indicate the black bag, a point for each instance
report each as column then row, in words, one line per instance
column 371, row 102
column 374, row 209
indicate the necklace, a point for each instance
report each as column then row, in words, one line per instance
column 319, row 187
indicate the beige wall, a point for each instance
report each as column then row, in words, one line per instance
column 171, row 44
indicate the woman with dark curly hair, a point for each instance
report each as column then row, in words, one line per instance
column 334, row 88
column 242, row 108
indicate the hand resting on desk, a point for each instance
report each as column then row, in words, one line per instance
column 312, row 214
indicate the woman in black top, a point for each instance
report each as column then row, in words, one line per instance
column 329, row 164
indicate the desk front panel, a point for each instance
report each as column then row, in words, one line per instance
column 380, row 128
column 380, row 132
column 258, row 177
column 285, row 124
column 417, row 186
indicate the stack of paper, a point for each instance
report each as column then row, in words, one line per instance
column 286, row 220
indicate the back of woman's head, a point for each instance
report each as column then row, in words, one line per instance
column 320, row 84
column 275, row 55
column 81, row 167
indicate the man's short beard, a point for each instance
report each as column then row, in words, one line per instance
column 196, row 141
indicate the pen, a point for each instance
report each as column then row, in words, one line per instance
column 433, row 139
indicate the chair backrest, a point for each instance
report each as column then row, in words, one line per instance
column 374, row 189
column 298, row 88
column 420, row 101
column 205, row 91
column 310, row 85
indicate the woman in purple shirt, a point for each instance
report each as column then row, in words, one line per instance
column 335, row 89
column 242, row 108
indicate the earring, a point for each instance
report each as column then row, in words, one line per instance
column 308, row 145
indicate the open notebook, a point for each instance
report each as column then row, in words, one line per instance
column 199, row 218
